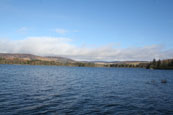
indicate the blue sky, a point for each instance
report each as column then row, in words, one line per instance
column 122, row 24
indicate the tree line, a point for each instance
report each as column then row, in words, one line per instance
column 41, row 62
column 160, row 64
column 155, row 64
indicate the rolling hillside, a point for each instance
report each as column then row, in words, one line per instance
column 34, row 57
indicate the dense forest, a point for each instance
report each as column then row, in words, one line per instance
column 140, row 65
column 160, row 64
column 155, row 64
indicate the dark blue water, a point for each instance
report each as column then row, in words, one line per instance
column 31, row 90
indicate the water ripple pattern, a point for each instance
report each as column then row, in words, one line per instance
column 53, row 90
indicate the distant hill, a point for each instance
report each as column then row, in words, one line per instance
column 117, row 62
column 34, row 57
column 29, row 59
column 60, row 59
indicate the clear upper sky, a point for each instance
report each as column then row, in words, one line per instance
column 123, row 23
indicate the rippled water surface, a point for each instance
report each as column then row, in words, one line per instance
column 30, row 90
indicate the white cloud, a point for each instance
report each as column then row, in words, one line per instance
column 53, row 46
column 22, row 30
column 60, row 31
column 64, row 31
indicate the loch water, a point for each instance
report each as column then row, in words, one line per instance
column 58, row 90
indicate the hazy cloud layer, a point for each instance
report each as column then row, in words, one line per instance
column 60, row 31
column 52, row 46
column 22, row 30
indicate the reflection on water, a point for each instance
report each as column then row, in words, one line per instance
column 74, row 90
